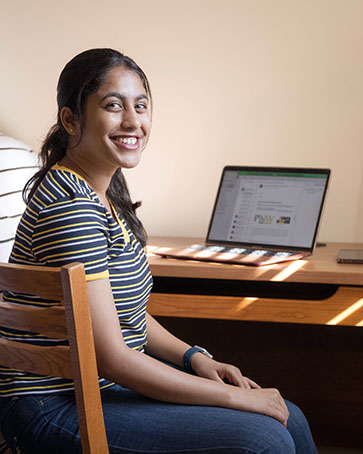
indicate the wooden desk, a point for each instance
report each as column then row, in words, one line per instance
column 316, row 290
column 293, row 325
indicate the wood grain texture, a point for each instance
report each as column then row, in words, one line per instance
column 53, row 361
column 36, row 280
column 83, row 359
column 321, row 267
column 49, row 321
column 345, row 307
column 72, row 322
column 261, row 309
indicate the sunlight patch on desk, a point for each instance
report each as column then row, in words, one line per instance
column 346, row 313
column 288, row 271
column 206, row 254
column 151, row 248
column 245, row 302
column 359, row 323
column 226, row 256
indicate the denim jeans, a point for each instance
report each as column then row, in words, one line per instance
column 48, row 424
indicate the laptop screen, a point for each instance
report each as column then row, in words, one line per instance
column 277, row 207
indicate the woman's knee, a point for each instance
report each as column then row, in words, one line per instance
column 277, row 440
column 299, row 429
column 260, row 434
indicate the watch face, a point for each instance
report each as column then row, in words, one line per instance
column 204, row 351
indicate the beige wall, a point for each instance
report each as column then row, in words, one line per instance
column 258, row 82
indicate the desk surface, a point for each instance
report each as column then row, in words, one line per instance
column 321, row 267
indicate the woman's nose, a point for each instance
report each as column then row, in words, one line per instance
column 130, row 119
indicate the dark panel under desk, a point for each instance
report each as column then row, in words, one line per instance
column 318, row 367
column 232, row 287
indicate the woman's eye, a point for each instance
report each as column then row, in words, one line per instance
column 141, row 106
column 114, row 106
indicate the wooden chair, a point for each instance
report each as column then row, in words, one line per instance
column 72, row 321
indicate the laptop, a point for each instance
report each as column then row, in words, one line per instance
column 261, row 216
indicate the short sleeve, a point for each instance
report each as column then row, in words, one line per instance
column 73, row 230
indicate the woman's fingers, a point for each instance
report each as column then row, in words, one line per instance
column 278, row 406
column 253, row 384
column 234, row 376
column 222, row 372
column 266, row 402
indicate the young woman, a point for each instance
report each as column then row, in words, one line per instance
column 159, row 394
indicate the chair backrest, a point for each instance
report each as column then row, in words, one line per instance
column 71, row 321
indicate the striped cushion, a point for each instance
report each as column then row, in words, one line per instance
column 17, row 164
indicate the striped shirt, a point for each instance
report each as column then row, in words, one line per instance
column 65, row 222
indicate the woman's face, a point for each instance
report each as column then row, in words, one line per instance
column 117, row 121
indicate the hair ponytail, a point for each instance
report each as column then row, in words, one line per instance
column 54, row 148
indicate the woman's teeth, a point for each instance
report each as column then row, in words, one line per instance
column 127, row 140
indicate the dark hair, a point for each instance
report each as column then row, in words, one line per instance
column 80, row 77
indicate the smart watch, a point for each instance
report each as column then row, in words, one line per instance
column 188, row 355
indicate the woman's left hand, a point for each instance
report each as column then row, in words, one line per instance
column 214, row 370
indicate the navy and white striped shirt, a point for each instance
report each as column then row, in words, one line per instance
column 65, row 222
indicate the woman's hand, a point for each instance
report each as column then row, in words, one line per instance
column 251, row 397
column 214, row 370
column 266, row 402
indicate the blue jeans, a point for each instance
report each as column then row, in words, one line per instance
column 44, row 424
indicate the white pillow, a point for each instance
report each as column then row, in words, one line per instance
column 17, row 164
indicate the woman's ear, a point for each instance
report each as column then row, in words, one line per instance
column 69, row 121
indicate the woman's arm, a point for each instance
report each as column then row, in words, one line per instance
column 162, row 344
column 165, row 346
column 150, row 377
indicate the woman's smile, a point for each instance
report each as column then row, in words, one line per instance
column 126, row 142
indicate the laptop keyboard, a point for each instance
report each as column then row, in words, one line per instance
column 241, row 251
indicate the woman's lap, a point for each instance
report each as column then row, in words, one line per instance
column 187, row 428
column 138, row 424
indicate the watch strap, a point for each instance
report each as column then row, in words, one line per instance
column 188, row 356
